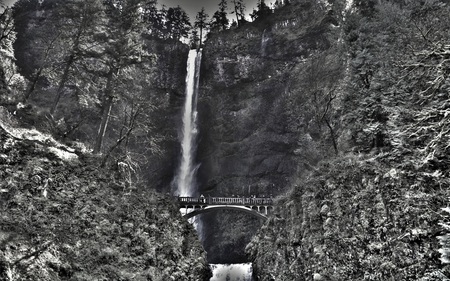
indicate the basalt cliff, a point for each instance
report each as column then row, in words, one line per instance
column 340, row 110
column 263, row 92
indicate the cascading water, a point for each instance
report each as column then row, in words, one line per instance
column 232, row 272
column 185, row 178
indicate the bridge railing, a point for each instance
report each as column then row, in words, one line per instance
column 244, row 201
column 190, row 199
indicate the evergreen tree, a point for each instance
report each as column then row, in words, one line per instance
column 152, row 17
column 201, row 23
column 163, row 33
column 6, row 23
column 233, row 24
column 60, row 30
column 194, row 40
column 78, row 19
column 38, row 43
column 239, row 10
column 262, row 11
column 365, row 7
column 123, row 48
column 177, row 23
column 219, row 20
column 278, row 4
column 26, row 19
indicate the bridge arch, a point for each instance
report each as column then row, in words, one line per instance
column 208, row 209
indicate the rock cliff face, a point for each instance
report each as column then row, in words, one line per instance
column 375, row 211
column 260, row 112
column 167, row 80
column 10, row 79
column 248, row 139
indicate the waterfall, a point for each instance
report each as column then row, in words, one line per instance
column 232, row 272
column 185, row 177
column 264, row 41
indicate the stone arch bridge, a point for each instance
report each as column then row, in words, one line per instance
column 193, row 206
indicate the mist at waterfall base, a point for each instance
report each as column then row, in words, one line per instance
column 232, row 272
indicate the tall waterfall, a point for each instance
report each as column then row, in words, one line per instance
column 185, row 178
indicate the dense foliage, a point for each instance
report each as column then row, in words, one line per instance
column 63, row 218
column 96, row 72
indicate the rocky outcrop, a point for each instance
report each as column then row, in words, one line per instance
column 10, row 79
column 356, row 219
column 259, row 112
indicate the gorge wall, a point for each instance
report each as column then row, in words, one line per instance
column 375, row 210
column 167, row 87
column 251, row 87
column 262, row 105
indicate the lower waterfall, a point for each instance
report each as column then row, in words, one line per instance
column 232, row 272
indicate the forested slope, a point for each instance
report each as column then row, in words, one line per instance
column 374, row 212
column 64, row 218
column 101, row 74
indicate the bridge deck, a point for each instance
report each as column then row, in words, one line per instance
column 242, row 201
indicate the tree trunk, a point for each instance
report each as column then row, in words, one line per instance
column 201, row 32
column 333, row 136
column 123, row 137
column 33, row 85
column 236, row 12
column 106, row 110
column 41, row 68
column 62, row 83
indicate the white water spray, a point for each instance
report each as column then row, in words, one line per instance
column 232, row 272
column 185, row 178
